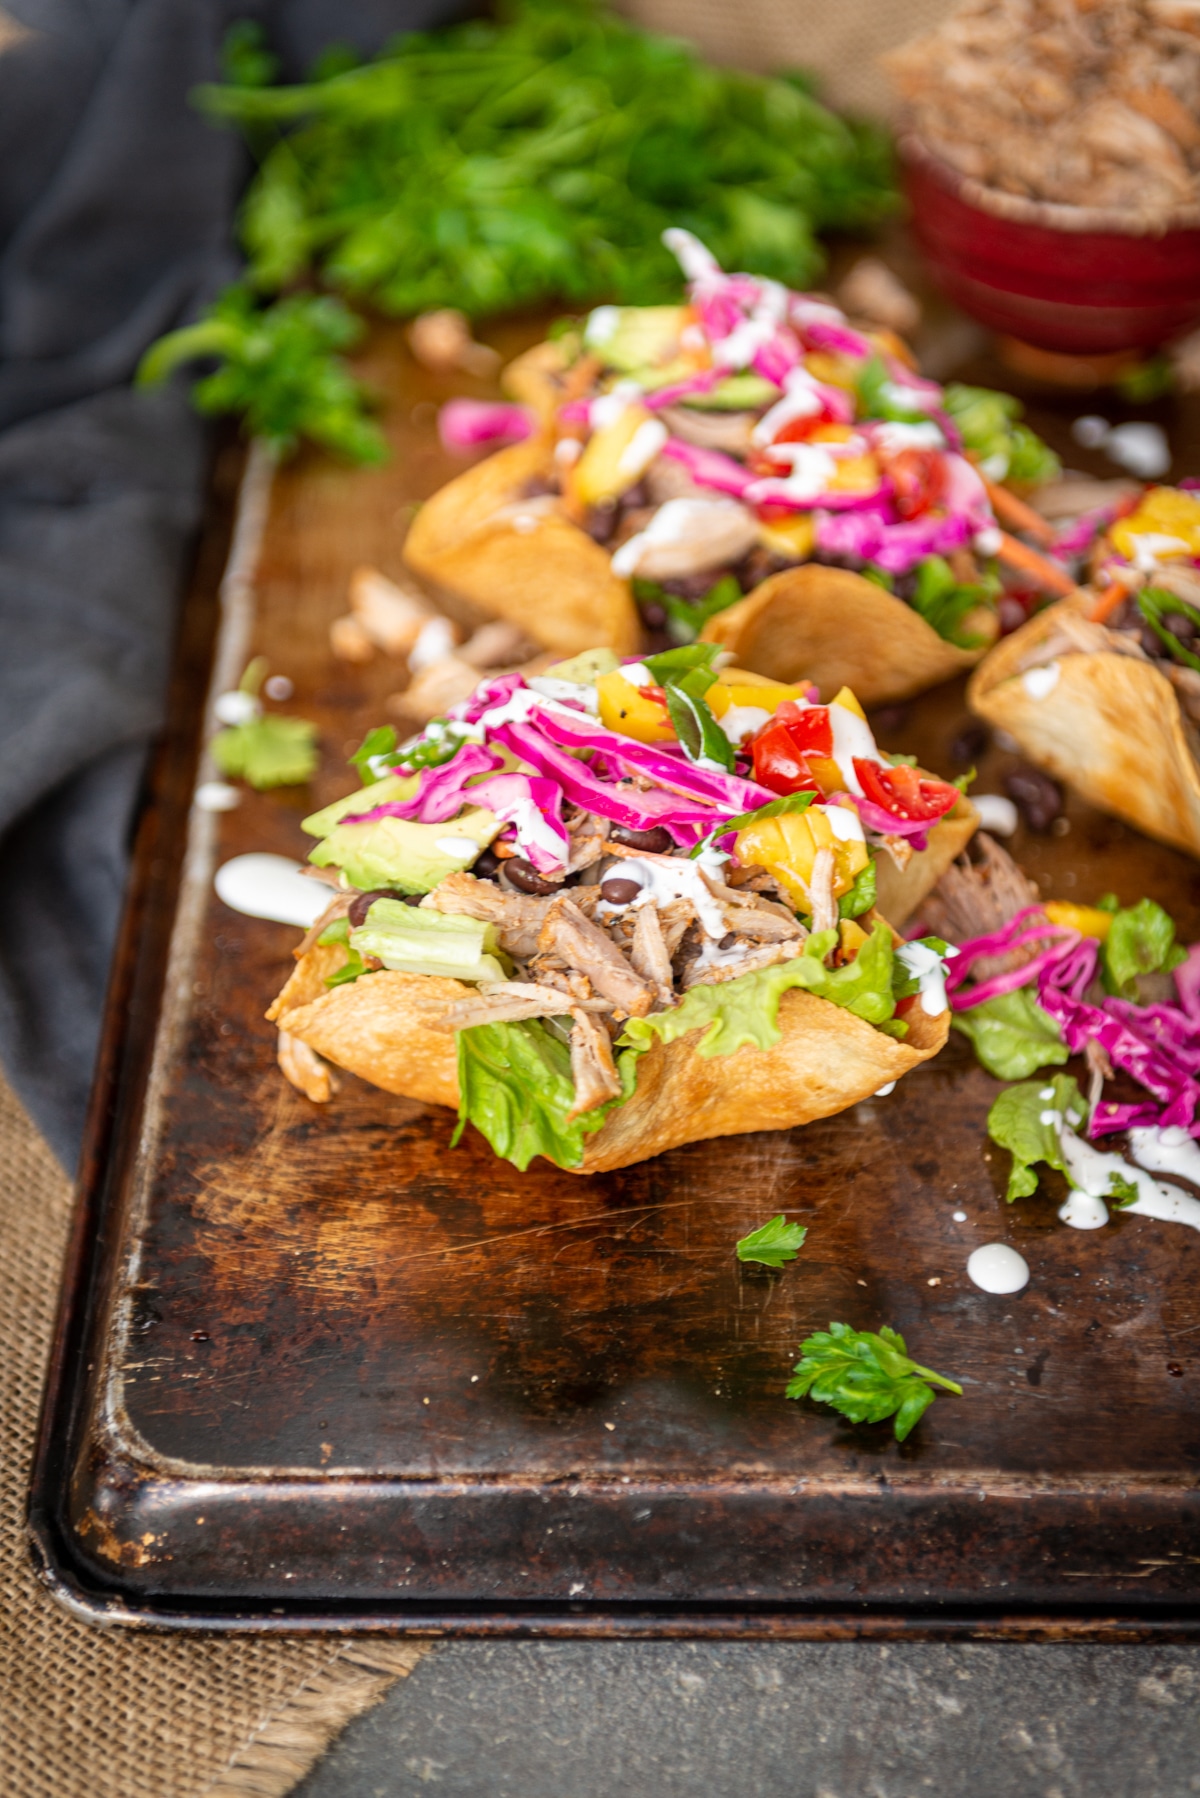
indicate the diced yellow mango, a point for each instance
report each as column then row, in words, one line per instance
column 794, row 538
column 787, row 846
column 835, row 370
column 736, row 687
column 1163, row 512
column 844, row 697
column 855, row 474
column 606, row 470
column 1088, row 920
column 852, row 936
column 826, row 773
column 632, row 711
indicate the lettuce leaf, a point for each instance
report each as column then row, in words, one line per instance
column 1025, row 1121
column 746, row 1010
column 1012, row 1035
column 515, row 1086
column 1141, row 940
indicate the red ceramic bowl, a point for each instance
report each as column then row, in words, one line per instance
column 1064, row 278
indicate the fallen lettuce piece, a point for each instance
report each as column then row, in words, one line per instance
column 515, row 1086
column 949, row 607
column 1012, row 1035
column 867, row 1375
column 413, row 941
column 1140, row 940
column 772, row 1243
column 746, row 1010
column 1026, row 1120
column 270, row 751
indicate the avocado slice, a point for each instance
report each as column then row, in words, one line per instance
column 380, row 792
column 635, row 340
column 744, row 392
column 402, row 853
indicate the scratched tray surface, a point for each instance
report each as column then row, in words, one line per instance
column 337, row 1364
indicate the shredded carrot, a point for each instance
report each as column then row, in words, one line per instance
column 1038, row 567
column 1016, row 514
column 1106, row 603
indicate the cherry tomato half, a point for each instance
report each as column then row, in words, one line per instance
column 918, row 478
column 781, row 746
column 904, row 791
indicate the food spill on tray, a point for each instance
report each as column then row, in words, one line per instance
column 750, row 468
column 565, row 903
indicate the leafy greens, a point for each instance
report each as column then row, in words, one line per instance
column 1025, row 1120
column 867, row 1375
column 772, row 1243
column 491, row 166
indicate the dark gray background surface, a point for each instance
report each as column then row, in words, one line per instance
column 789, row 1720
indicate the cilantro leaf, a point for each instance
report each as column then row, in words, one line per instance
column 271, row 751
column 698, row 731
column 866, row 1375
column 1015, row 1122
column 377, row 742
column 775, row 808
column 772, row 1243
column 278, row 367
column 1121, row 1192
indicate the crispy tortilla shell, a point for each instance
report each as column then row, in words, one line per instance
column 549, row 578
column 1111, row 727
column 833, row 627
column 826, row 1059
column 898, row 895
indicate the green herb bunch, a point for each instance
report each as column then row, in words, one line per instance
column 496, row 165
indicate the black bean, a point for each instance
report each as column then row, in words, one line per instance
column 486, row 866
column 636, row 497
column 1035, row 795
column 600, row 522
column 1152, row 643
column 361, row 903
column 1180, row 625
column 654, row 615
column 616, row 890
column 656, row 841
column 970, row 745
column 890, row 718
column 537, row 487
column 728, row 940
column 694, row 586
column 525, row 877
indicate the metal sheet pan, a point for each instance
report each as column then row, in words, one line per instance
column 316, row 1369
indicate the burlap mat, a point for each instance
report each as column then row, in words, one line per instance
column 839, row 40
column 102, row 1713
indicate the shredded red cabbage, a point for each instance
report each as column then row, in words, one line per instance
column 464, row 424
column 710, row 468
column 439, row 792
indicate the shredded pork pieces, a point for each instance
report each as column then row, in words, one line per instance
column 649, row 954
column 567, row 933
column 820, row 892
column 517, row 917
column 592, row 1067
column 514, row 1002
column 977, row 898
column 1094, row 104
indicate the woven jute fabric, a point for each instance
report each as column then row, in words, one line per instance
column 838, row 40
column 106, row 1713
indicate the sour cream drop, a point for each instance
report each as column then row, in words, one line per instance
column 1166, row 1151
column 676, row 877
column 929, row 971
column 996, row 813
column 1092, row 1170
column 998, row 1269
column 1039, row 683
column 456, row 846
column 271, row 886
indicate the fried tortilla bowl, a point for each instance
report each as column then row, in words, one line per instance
column 380, row 1027
column 831, row 626
column 1110, row 724
column 520, row 559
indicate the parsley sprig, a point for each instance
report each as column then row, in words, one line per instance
column 867, row 1375
column 772, row 1243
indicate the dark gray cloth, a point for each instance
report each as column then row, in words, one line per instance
column 116, row 200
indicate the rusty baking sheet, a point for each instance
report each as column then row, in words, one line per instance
column 317, row 1369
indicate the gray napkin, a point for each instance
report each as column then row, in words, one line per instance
column 116, row 200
